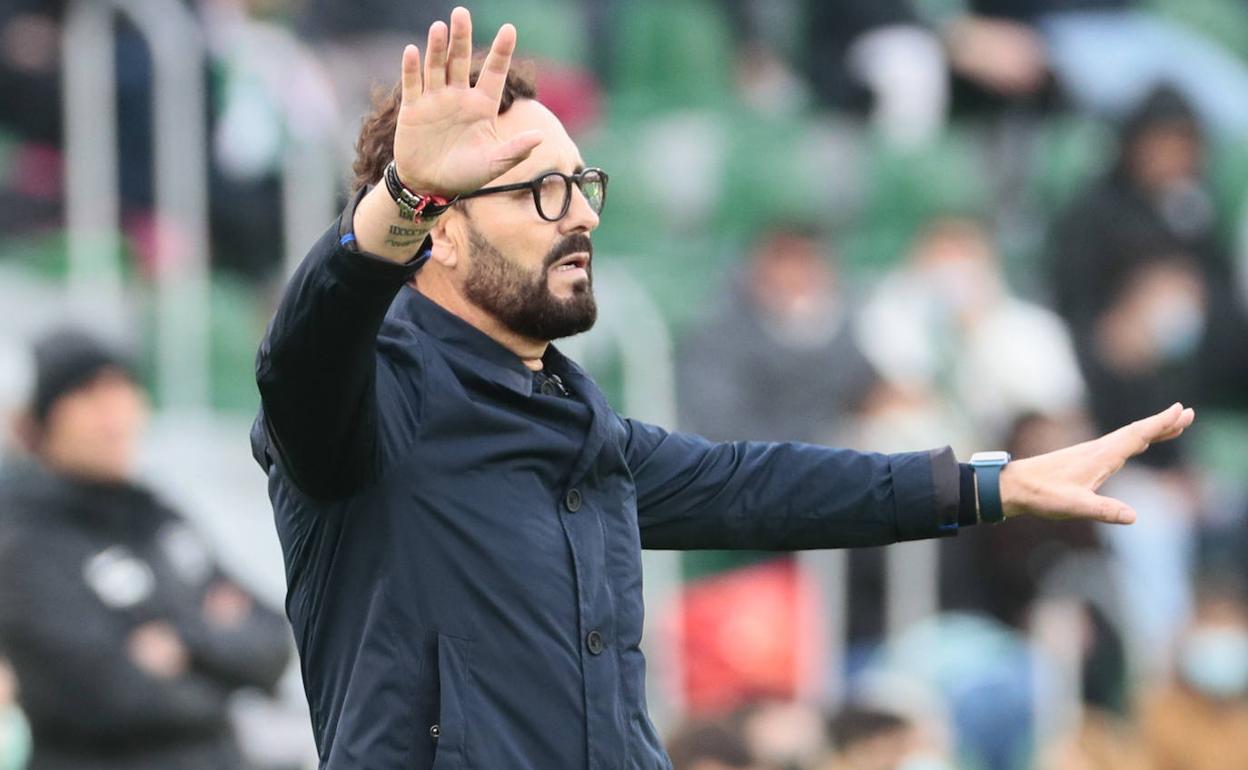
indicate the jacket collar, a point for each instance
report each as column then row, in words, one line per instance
column 496, row 363
column 500, row 365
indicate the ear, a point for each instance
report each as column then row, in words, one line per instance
column 445, row 250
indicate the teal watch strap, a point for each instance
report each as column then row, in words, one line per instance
column 988, row 466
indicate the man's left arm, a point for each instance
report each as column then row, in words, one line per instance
column 694, row 493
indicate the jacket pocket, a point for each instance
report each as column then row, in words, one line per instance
column 452, row 730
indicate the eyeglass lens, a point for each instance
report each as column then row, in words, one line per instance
column 554, row 193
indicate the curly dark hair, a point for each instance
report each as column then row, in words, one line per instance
column 375, row 146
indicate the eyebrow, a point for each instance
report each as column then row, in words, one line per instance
column 579, row 168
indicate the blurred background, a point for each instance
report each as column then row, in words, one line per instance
column 885, row 224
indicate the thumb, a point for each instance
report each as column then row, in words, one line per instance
column 1104, row 509
column 514, row 150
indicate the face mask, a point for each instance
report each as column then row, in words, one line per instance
column 1187, row 209
column 1215, row 662
column 956, row 287
column 1177, row 327
column 923, row 762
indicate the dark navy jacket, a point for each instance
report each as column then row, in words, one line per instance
column 463, row 554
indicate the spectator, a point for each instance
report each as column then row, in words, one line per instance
column 30, row 105
column 271, row 96
column 878, row 54
column 777, row 358
column 126, row 637
column 1200, row 720
column 1103, row 56
column 868, row 739
column 708, row 746
column 781, row 734
column 1140, row 274
column 945, row 324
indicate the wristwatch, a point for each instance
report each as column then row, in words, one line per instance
column 988, row 466
column 413, row 205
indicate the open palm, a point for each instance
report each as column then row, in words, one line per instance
column 446, row 141
column 1063, row 484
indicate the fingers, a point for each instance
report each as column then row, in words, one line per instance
column 1112, row 511
column 515, row 150
column 1186, row 418
column 412, row 81
column 1101, row 508
column 435, row 57
column 1133, row 439
column 461, row 48
column 494, row 72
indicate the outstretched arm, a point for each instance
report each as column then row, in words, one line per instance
column 319, row 376
column 693, row 493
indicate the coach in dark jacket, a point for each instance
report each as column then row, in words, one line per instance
column 126, row 637
column 461, row 512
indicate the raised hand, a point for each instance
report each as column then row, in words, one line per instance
column 446, row 141
column 1063, row 484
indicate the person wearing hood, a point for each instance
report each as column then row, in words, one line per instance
column 126, row 636
column 1140, row 275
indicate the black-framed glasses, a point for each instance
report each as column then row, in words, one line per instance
column 552, row 191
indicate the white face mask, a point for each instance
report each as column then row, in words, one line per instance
column 1215, row 661
column 1177, row 327
column 923, row 762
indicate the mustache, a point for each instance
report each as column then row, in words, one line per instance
column 570, row 245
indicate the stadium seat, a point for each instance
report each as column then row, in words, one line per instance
column 670, row 54
column 906, row 188
column 554, row 30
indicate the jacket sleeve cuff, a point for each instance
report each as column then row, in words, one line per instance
column 926, row 488
column 356, row 268
column 968, row 506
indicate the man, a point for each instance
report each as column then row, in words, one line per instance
column 461, row 512
column 778, row 358
column 126, row 638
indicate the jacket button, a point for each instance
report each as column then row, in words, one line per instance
column 548, row 389
column 573, row 500
column 594, row 642
column 435, row 731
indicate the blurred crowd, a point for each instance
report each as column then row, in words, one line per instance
column 789, row 186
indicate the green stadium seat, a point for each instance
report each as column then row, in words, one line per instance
column 1221, row 20
column 554, row 30
column 905, row 189
column 673, row 54
column 1068, row 152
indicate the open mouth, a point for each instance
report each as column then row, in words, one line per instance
column 579, row 260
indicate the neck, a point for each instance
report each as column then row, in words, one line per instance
column 437, row 289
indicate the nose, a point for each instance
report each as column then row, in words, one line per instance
column 581, row 217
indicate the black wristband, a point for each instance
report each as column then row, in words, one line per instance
column 413, row 205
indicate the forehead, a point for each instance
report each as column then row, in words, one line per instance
column 557, row 150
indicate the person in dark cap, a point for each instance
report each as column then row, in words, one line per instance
column 126, row 637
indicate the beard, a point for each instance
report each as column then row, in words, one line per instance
column 521, row 299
